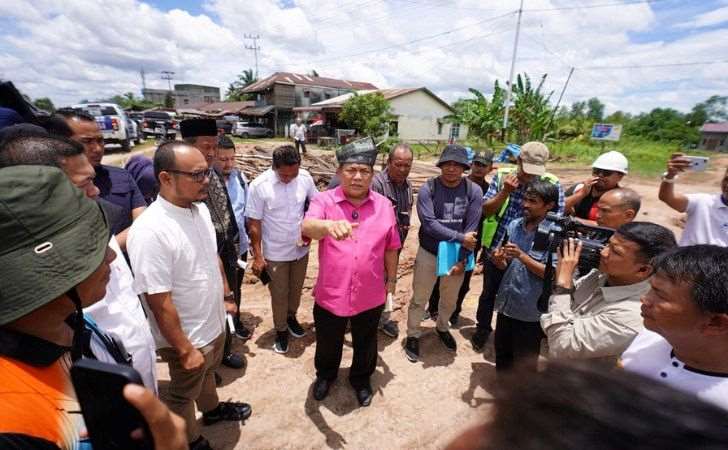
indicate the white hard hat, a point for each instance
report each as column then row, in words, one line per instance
column 613, row 160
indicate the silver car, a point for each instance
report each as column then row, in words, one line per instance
column 251, row 129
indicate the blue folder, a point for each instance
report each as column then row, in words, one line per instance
column 447, row 256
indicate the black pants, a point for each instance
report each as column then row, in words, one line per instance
column 492, row 277
column 300, row 146
column 434, row 301
column 517, row 342
column 330, row 330
column 234, row 276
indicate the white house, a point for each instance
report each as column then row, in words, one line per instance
column 419, row 114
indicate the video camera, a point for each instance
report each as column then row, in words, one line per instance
column 551, row 233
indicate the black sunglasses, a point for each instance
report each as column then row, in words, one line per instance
column 603, row 172
column 197, row 177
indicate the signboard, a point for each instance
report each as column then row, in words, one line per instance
column 606, row 132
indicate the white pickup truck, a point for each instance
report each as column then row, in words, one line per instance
column 113, row 122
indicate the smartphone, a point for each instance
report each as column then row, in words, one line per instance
column 697, row 163
column 264, row 277
column 110, row 418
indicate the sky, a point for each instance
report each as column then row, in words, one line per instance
column 634, row 55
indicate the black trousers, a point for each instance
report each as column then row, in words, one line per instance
column 300, row 146
column 492, row 277
column 434, row 301
column 330, row 330
column 234, row 276
column 517, row 342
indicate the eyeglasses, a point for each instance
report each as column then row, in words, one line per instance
column 197, row 177
column 603, row 172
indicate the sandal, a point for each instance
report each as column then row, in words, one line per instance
column 230, row 411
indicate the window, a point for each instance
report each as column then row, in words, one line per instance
column 439, row 127
column 455, row 131
column 307, row 94
column 186, row 101
column 394, row 128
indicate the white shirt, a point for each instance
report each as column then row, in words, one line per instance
column 651, row 355
column 279, row 206
column 707, row 221
column 120, row 312
column 298, row 132
column 173, row 249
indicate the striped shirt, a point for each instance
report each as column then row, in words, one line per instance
column 401, row 197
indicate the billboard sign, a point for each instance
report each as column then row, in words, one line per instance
column 606, row 132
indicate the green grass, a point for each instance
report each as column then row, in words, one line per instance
column 646, row 158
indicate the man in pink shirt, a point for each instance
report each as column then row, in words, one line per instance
column 357, row 252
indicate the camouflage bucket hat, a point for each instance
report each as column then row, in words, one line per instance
column 53, row 237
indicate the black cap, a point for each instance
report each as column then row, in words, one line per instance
column 456, row 153
column 485, row 158
column 198, row 127
column 362, row 151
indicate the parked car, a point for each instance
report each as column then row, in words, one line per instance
column 115, row 126
column 159, row 124
column 224, row 125
column 251, row 129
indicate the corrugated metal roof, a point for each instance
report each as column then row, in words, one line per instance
column 294, row 78
column 721, row 127
column 388, row 94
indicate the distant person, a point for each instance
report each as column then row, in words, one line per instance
column 393, row 183
column 277, row 201
column 502, row 203
column 116, row 184
column 141, row 169
column 607, row 171
column 176, row 266
column 707, row 214
column 449, row 209
column 202, row 134
column 575, row 407
column 358, row 247
column 617, row 207
column 597, row 316
column 686, row 319
column 480, row 167
column 298, row 134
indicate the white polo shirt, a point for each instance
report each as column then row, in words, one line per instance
column 298, row 132
column 652, row 356
column 173, row 249
column 707, row 221
column 120, row 312
column 279, row 206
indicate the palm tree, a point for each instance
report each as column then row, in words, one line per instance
column 531, row 112
column 234, row 90
column 482, row 116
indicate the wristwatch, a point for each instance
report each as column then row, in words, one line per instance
column 560, row 290
column 668, row 180
column 230, row 296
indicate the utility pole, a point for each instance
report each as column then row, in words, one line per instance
column 144, row 79
column 510, row 77
column 168, row 75
column 556, row 108
column 255, row 47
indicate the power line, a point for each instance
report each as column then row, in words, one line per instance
column 255, row 47
column 597, row 5
column 651, row 66
column 168, row 75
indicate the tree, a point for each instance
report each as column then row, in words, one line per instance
column 45, row 104
column 664, row 124
column 234, row 91
column 595, row 109
column 169, row 100
column 369, row 114
column 483, row 117
column 129, row 101
column 531, row 111
column 313, row 73
column 714, row 109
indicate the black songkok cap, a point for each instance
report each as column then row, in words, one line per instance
column 198, row 127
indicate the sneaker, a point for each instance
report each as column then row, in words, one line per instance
column 390, row 328
column 432, row 315
column 412, row 349
column 233, row 361
column 454, row 319
column 281, row 344
column 447, row 340
column 295, row 328
column 241, row 332
column 479, row 338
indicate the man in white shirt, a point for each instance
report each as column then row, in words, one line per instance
column 707, row 214
column 686, row 317
column 298, row 134
column 174, row 256
column 277, row 201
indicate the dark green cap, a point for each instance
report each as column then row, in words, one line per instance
column 361, row 151
column 53, row 237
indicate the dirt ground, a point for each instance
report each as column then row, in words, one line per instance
column 421, row 405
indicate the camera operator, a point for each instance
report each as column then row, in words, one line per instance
column 598, row 315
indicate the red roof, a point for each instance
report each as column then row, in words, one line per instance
column 307, row 80
column 721, row 127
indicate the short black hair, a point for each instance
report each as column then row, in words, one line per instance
column 164, row 157
column 652, row 239
column 38, row 151
column 573, row 406
column 705, row 267
column 225, row 142
column 548, row 192
column 285, row 155
column 71, row 113
column 56, row 125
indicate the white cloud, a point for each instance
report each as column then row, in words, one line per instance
column 93, row 49
column 707, row 19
